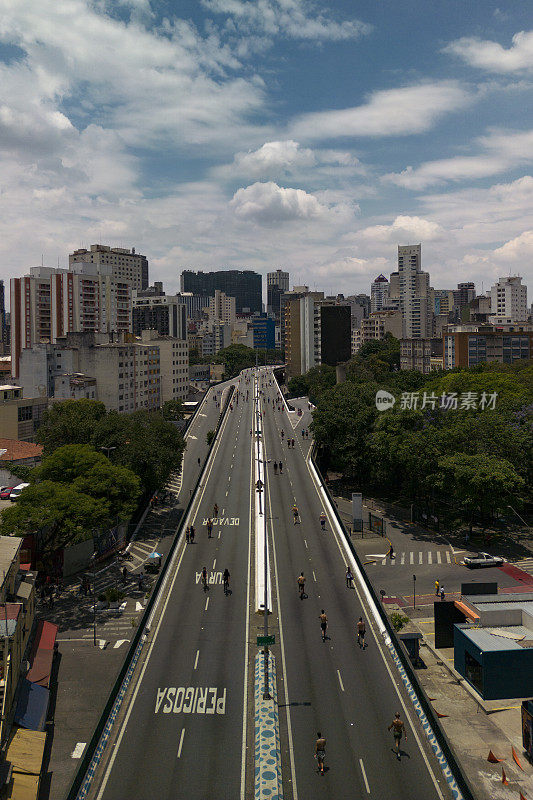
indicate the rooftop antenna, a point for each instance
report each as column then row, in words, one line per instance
column 42, row 260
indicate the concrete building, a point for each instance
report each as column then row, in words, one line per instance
column 221, row 309
column 264, row 333
column 49, row 303
column 508, row 301
column 20, row 416
column 209, row 342
column 379, row 292
column 244, row 285
column 464, row 294
column 411, row 286
column 173, row 364
column 126, row 265
column 470, row 344
column 421, row 355
column 375, row 327
column 317, row 331
column 443, row 301
column 165, row 314
column 4, row 342
column 277, row 284
column 74, row 386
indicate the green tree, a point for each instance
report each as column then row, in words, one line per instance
column 70, row 422
column 91, row 473
column 479, row 483
column 172, row 410
column 62, row 514
column 210, row 435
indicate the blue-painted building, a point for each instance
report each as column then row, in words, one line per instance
column 494, row 653
column 264, row 333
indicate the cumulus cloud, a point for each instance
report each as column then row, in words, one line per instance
column 389, row 112
column 518, row 249
column 403, row 227
column 492, row 56
column 294, row 19
column 503, row 150
column 268, row 203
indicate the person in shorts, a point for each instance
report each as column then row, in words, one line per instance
column 323, row 624
column 320, row 751
column 301, row 585
column 361, row 630
column 398, row 730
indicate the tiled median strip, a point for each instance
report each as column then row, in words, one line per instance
column 267, row 743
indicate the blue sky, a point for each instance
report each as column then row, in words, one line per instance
column 277, row 133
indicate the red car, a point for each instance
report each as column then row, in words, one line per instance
column 5, row 491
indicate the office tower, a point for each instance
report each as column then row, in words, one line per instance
column 317, row 331
column 379, row 293
column 508, row 300
column 244, row 285
column 444, row 301
column 3, row 326
column 126, row 265
column 165, row 314
column 414, row 292
column 469, row 344
column 464, row 293
column 277, row 284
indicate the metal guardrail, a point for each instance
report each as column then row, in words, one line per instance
column 91, row 749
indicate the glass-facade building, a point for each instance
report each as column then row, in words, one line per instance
column 245, row 286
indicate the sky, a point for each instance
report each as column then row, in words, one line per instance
column 309, row 136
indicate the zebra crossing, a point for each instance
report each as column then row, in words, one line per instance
column 526, row 564
column 412, row 557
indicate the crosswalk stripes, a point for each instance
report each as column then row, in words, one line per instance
column 526, row 564
column 424, row 556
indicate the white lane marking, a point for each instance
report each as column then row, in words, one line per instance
column 181, row 742
column 448, row 559
column 420, row 557
column 402, row 559
column 430, row 558
column 138, row 606
column 364, row 775
column 219, row 534
column 119, row 642
column 438, row 556
column 314, row 576
column 206, row 604
column 196, row 659
column 214, row 563
column 227, row 493
column 411, row 558
column 305, row 542
column 78, row 750
column 340, row 679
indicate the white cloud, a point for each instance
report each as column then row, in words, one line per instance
column 295, row 19
column 273, row 157
column 389, row 112
column 518, row 249
column 268, row 203
column 402, row 227
column 492, row 56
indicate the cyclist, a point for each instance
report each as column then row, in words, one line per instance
column 204, row 578
column 361, row 630
column 215, row 510
column 323, row 521
column 295, row 514
column 301, row 585
column 225, row 578
column 281, row 468
column 398, row 729
column 323, row 623
column 275, row 467
column 320, row 751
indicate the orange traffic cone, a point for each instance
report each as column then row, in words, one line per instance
column 522, row 796
column 515, row 758
column 492, row 758
column 504, row 778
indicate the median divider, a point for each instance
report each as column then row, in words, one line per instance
column 267, row 743
column 262, row 570
column 95, row 749
column 444, row 754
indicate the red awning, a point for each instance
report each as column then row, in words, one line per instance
column 42, row 654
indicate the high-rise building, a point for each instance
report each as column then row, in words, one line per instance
column 444, row 301
column 415, row 293
column 464, row 293
column 277, row 284
column 379, row 292
column 508, row 300
column 165, row 314
column 244, row 285
column 264, row 333
column 126, row 265
column 222, row 308
column 471, row 344
column 317, row 331
column 49, row 303
column 2, row 315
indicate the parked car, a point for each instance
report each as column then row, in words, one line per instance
column 15, row 493
column 483, row 560
column 5, row 491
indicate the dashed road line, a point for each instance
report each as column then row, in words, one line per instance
column 364, row 775
column 206, row 604
column 196, row 659
column 340, row 679
column 181, row 742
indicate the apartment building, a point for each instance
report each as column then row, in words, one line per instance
column 410, row 285
column 221, row 309
column 374, row 328
column 20, row 417
column 379, row 292
column 470, row 344
column 173, row 364
column 421, row 355
column 244, row 285
column 277, row 285
column 126, row 266
column 508, row 301
column 317, row 331
column 166, row 314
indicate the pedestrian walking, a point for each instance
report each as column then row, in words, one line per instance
column 209, row 528
column 361, row 630
column 349, row 579
column 442, row 592
column 187, row 534
column 124, row 574
column 398, row 729
column 323, row 624
column 437, row 587
column 191, row 534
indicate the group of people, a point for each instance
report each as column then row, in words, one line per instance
column 397, row 727
column 225, row 580
column 278, row 466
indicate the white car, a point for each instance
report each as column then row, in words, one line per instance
column 15, row 493
column 483, row 560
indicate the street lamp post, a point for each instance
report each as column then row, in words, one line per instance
column 414, row 591
column 93, row 559
column 107, row 449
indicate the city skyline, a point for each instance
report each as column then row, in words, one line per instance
column 272, row 135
